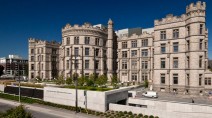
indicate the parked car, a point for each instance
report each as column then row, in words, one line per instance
column 151, row 94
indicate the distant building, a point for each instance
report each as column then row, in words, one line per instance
column 12, row 63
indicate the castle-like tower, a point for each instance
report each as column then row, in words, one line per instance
column 43, row 59
column 87, row 49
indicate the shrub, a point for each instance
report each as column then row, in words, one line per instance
column 151, row 116
column 145, row 116
column 17, row 112
column 140, row 115
column 125, row 112
column 156, row 117
column 130, row 113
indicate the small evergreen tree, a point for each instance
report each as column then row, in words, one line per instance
column 81, row 81
column 18, row 112
column 114, row 81
column 102, row 80
column 146, row 83
column 69, row 81
column 60, row 80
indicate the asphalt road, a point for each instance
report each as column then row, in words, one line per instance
column 42, row 111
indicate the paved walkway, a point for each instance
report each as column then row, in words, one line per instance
column 42, row 111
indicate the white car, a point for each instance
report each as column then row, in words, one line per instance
column 151, row 94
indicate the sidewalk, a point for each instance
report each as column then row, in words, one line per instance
column 43, row 111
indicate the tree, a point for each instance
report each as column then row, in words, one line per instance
column 146, row 83
column 81, row 80
column 60, row 80
column 18, row 112
column 114, row 81
column 1, row 70
column 69, row 81
column 102, row 80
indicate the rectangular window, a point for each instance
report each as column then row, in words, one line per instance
column 97, row 41
column 201, row 29
column 32, row 75
column 144, row 65
column 134, row 44
column 124, row 45
column 175, row 47
column 76, row 51
column 175, row 62
column 124, row 54
column 175, row 78
column 124, row 64
column 32, row 66
column 188, row 30
column 124, row 74
column 162, row 78
column 32, row 58
column 200, row 79
column 163, row 63
column 144, row 76
column 188, row 80
column 87, row 40
column 144, row 42
column 188, row 62
column 163, row 35
column 97, row 64
column 163, row 48
column 67, row 51
column 134, row 64
column 175, row 33
column 86, row 51
column 32, row 51
column 86, row 64
column 97, row 52
column 208, row 81
column 134, row 76
column 144, row 52
column 54, row 51
column 188, row 45
column 67, row 64
column 76, row 40
column 134, row 53
column 200, row 61
column 200, row 44
column 67, row 41
column 76, row 64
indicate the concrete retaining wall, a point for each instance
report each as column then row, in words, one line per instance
column 95, row 100
column 2, row 87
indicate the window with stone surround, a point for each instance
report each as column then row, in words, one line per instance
column 200, row 79
column 76, row 40
column 144, row 64
column 124, row 64
column 144, row 42
column 200, row 44
column 97, row 41
column 67, row 41
column 32, row 58
column 86, row 51
column 87, row 40
column 133, row 53
column 188, row 30
column 175, row 47
column 134, row 43
column 86, row 64
column 144, row 76
column 76, row 64
column 67, row 52
column 96, row 52
column 67, row 64
column 134, row 64
column 207, row 81
column 163, row 63
column 97, row 64
column 134, row 76
column 32, row 51
column 201, row 29
column 188, row 79
column 32, row 66
column 188, row 61
column 124, row 54
column 175, row 62
column 124, row 45
column 163, row 48
column 32, row 75
column 76, row 51
column 175, row 78
column 124, row 74
column 163, row 35
column 162, row 78
column 175, row 33
column 200, row 61
column 144, row 52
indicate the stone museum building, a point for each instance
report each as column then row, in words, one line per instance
column 171, row 56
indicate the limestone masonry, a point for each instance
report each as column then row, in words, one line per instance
column 172, row 56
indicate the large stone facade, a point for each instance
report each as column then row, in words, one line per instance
column 84, row 49
column 172, row 55
column 177, row 53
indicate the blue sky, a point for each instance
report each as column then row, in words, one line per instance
column 43, row 19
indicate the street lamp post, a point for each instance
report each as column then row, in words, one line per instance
column 76, row 83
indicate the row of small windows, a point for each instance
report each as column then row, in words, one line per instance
column 144, row 64
column 134, row 76
column 144, row 53
column 87, row 52
column 175, row 34
column 175, row 79
column 86, row 41
column 41, row 51
column 144, row 43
